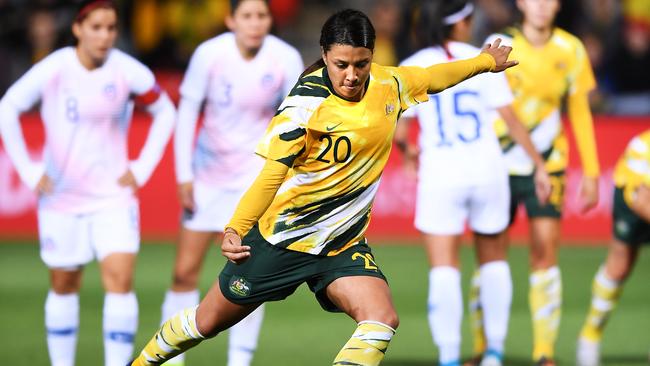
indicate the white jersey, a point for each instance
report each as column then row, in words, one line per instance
column 86, row 115
column 241, row 96
column 457, row 141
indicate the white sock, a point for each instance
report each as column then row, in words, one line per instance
column 243, row 338
column 120, row 325
column 173, row 303
column 62, row 324
column 496, row 296
column 445, row 311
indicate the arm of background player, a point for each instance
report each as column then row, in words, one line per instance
column 409, row 151
column 258, row 197
column 518, row 132
column 188, row 114
column 164, row 114
column 583, row 129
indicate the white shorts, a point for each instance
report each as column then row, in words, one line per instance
column 445, row 210
column 71, row 240
column 213, row 208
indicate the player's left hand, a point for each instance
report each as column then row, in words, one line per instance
column 543, row 185
column 232, row 249
column 500, row 54
column 128, row 180
column 588, row 194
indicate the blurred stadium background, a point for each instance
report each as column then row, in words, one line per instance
column 163, row 34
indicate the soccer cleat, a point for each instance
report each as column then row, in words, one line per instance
column 492, row 358
column 474, row 361
column 587, row 353
column 544, row 361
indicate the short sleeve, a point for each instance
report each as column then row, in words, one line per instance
column 294, row 67
column 582, row 78
column 284, row 140
column 195, row 81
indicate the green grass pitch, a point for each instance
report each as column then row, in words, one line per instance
column 297, row 332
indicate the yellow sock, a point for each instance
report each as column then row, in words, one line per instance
column 545, row 298
column 367, row 345
column 605, row 293
column 176, row 335
column 476, row 315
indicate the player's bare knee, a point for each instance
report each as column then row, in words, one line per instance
column 185, row 281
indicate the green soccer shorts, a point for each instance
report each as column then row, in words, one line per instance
column 272, row 273
column 626, row 225
column 522, row 191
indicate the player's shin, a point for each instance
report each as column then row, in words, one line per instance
column 445, row 312
column 367, row 345
column 120, row 325
column 177, row 335
column 605, row 293
column 495, row 298
column 242, row 340
column 61, row 324
column 173, row 303
column 545, row 297
column 476, row 315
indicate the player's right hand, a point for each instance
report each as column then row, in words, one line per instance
column 232, row 249
column 543, row 185
column 186, row 195
column 44, row 185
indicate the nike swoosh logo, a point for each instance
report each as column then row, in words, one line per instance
column 331, row 128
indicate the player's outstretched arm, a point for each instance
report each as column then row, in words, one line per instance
column 493, row 58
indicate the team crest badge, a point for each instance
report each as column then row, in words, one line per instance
column 622, row 228
column 390, row 108
column 239, row 286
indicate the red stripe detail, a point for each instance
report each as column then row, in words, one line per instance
column 149, row 97
column 92, row 6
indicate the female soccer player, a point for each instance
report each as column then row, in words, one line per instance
column 87, row 206
column 243, row 75
column 304, row 217
column 554, row 66
column 631, row 229
column 463, row 177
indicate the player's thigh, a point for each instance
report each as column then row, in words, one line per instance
column 442, row 250
column 551, row 209
column 64, row 239
column 364, row 298
column 216, row 313
column 214, row 206
column 489, row 207
column 115, row 229
column 441, row 210
column 343, row 268
column 190, row 251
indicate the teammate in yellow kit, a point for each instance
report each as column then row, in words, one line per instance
column 304, row 217
column 631, row 229
column 554, row 66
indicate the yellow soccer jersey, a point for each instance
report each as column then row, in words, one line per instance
column 633, row 168
column 544, row 76
column 337, row 150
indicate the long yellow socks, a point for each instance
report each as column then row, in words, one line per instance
column 367, row 345
column 176, row 335
column 605, row 293
column 545, row 299
column 476, row 315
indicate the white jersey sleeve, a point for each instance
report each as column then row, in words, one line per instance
column 294, row 68
column 143, row 86
column 20, row 97
column 495, row 91
column 193, row 91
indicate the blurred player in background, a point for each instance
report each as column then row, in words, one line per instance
column 242, row 76
column 631, row 229
column 303, row 219
column 463, row 178
column 553, row 65
column 87, row 207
